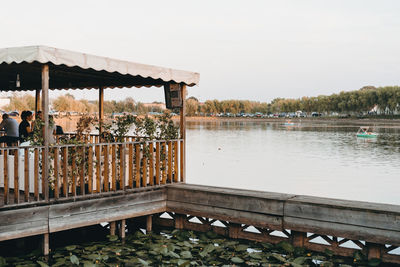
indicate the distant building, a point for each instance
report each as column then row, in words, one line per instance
column 4, row 101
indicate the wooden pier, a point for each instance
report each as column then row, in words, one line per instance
column 46, row 189
column 253, row 215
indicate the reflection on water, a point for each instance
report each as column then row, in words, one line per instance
column 325, row 160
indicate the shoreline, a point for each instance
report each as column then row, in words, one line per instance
column 378, row 121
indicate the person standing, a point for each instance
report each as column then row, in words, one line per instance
column 11, row 128
column 25, row 129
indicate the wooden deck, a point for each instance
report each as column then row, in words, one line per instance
column 371, row 227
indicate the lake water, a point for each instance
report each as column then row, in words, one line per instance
column 319, row 159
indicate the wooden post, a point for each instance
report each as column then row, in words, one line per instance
column 182, row 123
column 45, row 114
column 298, row 239
column 112, row 228
column 101, row 109
column 374, row 250
column 149, row 223
column 37, row 101
column 122, row 229
column 234, row 230
column 46, row 244
column 179, row 220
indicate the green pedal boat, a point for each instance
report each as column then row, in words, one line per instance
column 365, row 133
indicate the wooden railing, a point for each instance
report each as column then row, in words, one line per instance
column 93, row 168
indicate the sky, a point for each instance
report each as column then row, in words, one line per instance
column 256, row 50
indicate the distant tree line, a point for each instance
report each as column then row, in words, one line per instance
column 387, row 99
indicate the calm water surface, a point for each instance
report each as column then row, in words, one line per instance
column 325, row 160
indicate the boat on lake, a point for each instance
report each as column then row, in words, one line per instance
column 365, row 133
column 288, row 123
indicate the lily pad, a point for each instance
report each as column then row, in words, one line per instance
column 42, row 264
column 70, row 248
column 143, row 262
column 237, row 260
column 74, row 260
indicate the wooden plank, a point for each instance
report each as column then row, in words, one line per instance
column 16, row 177
column 101, row 109
column 175, row 156
column 164, row 163
column 137, row 164
column 46, row 247
column 23, row 222
column 151, row 164
column 98, row 168
column 130, row 166
column 227, row 200
column 169, row 178
column 56, row 173
column 144, row 166
column 36, row 174
column 26, row 174
column 6, row 179
column 113, row 169
column 182, row 124
column 339, row 214
column 106, row 181
column 158, row 166
column 236, row 216
column 90, row 169
column 112, row 228
column 65, row 171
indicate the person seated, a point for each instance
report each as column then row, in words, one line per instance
column 11, row 128
column 24, row 128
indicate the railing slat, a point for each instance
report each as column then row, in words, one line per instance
column 122, row 167
column 6, row 184
column 36, row 175
column 182, row 158
column 151, row 164
column 137, row 164
column 113, row 168
column 130, row 162
column 169, row 161
column 90, row 169
column 175, row 153
column 157, row 180
column 144, row 166
column 106, row 181
column 73, row 172
column 16, row 177
column 26, row 174
column 56, row 174
column 98, row 168
column 65, row 171
column 43, row 175
column 164, row 163
column 81, row 152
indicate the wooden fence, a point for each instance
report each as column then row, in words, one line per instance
column 93, row 168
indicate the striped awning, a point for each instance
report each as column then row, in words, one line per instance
column 74, row 70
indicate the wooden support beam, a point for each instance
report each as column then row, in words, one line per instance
column 122, row 229
column 182, row 124
column 374, row 250
column 179, row 221
column 234, row 229
column 46, row 245
column 149, row 223
column 298, row 239
column 45, row 114
column 113, row 227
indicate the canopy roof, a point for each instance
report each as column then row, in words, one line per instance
column 74, row 70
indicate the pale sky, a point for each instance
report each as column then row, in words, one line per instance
column 256, row 50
